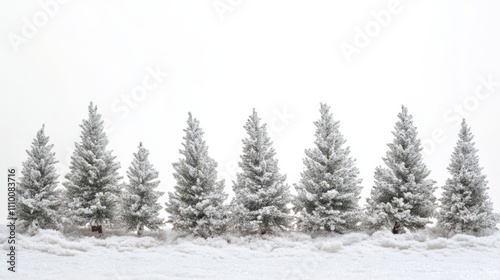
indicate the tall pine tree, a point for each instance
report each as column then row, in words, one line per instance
column 329, row 190
column 38, row 200
column 140, row 203
column 402, row 195
column 261, row 194
column 465, row 204
column 92, row 183
column 197, row 204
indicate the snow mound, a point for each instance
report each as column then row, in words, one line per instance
column 331, row 246
column 439, row 243
column 53, row 242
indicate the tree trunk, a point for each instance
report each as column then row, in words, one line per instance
column 397, row 228
column 140, row 229
column 97, row 228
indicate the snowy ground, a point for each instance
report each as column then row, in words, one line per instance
column 422, row 255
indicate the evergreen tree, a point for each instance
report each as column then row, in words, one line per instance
column 402, row 195
column 197, row 204
column 261, row 194
column 329, row 190
column 38, row 199
column 92, row 186
column 465, row 204
column 140, row 203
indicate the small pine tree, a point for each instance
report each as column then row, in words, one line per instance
column 197, row 204
column 402, row 195
column 465, row 204
column 261, row 194
column 92, row 186
column 38, row 199
column 140, row 203
column 329, row 190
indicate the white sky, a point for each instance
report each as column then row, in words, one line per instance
column 281, row 57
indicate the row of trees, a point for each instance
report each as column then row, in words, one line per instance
column 327, row 197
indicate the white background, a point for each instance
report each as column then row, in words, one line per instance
column 281, row 57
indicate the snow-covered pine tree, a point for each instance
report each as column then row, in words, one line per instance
column 92, row 183
column 465, row 204
column 261, row 194
column 197, row 204
column 140, row 199
column 402, row 195
column 329, row 189
column 38, row 199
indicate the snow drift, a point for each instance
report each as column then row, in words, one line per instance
column 167, row 255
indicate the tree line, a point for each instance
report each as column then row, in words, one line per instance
column 327, row 199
